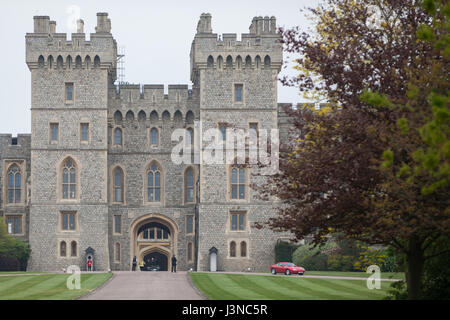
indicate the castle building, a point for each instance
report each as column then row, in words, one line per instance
column 95, row 179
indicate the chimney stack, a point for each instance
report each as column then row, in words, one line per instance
column 41, row 24
column 80, row 26
column 52, row 25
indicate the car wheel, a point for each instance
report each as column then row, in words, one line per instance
column 300, row 273
column 274, row 271
column 288, row 272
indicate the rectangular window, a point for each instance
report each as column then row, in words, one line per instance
column 238, row 221
column 238, row 90
column 68, row 221
column 54, row 132
column 117, row 224
column 14, row 224
column 84, row 132
column 69, row 92
column 189, row 224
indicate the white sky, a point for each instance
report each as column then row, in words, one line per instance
column 157, row 37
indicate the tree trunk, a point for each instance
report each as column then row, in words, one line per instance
column 415, row 269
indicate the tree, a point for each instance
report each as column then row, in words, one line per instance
column 347, row 170
column 13, row 251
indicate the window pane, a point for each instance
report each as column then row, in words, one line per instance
column 241, row 176
column 157, row 194
column 223, row 131
column 18, row 180
column 150, row 179
column 238, row 92
column 17, row 195
column 234, row 176
column 72, row 175
column 234, row 222
column 189, row 178
column 11, row 180
column 150, row 195
column 241, row 191
column 152, row 233
column 84, row 131
column 117, row 194
column 190, row 224
column 69, row 91
column 17, row 227
column 154, row 136
column 74, row 249
column 118, row 135
column 65, row 176
column 243, row 249
column 65, row 191
column 72, row 221
column 165, row 234
column 234, row 191
column 146, row 234
column 117, row 224
column 11, row 196
column 159, row 233
column 241, row 222
column 65, row 222
column 63, row 249
column 72, row 191
column 190, row 195
column 157, row 179
column 54, row 128
column 118, row 178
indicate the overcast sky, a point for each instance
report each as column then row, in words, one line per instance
column 156, row 35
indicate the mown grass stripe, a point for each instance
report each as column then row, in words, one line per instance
column 44, row 289
column 361, row 287
column 6, row 283
column 282, row 291
column 24, row 285
column 207, row 284
column 306, row 287
column 245, row 282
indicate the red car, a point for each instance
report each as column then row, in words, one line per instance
column 287, row 268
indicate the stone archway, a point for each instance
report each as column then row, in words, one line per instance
column 153, row 233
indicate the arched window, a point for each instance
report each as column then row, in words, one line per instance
column 154, row 117
column 50, row 61
column 258, row 62
column 267, row 61
column 69, row 185
column 118, row 117
column 189, row 185
column 238, row 62
column 166, row 117
column 129, row 116
column 178, row 119
column 229, row 62
column 118, row 137
column 14, row 184
column 154, row 183
column 118, row 184
column 59, row 62
column 62, row 249
column 243, row 249
column 96, row 62
column 237, row 182
column 248, row 62
column 223, row 131
column 73, row 249
column 190, row 251
column 210, row 62
column 232, row 249
column 41, row 61
column 190, row 117
column 69, row 62
column 219, row 62
column 142, row 116
column 87, row 61
column 78, row 62
column 154, row 136
column 117, row 252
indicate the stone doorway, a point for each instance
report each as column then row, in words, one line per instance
column 156, row 261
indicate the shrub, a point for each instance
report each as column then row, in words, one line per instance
column 284, row 251
column 9, row 264
column 313, row 258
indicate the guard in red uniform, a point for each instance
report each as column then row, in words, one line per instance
column 89, row 265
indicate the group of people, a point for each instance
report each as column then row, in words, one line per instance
column 142, row 264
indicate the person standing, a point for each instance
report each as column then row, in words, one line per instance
column 141, row 265
column 174, row 264
column 89, row 264
column 134, row 263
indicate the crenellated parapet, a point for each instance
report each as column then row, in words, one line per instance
column 256, row 50
column 46, row 48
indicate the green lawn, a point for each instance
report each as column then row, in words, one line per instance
column 47, row 287
column 384, row 275
column 219, row 286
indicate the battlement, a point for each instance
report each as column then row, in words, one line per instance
column 260, row 48
column 153, row 93
column 46, row 48
column 14, row 146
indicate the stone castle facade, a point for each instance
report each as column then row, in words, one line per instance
column 95, row 177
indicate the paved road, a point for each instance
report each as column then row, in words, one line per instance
column 127, row 285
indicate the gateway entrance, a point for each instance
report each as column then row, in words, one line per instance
column 155, row 261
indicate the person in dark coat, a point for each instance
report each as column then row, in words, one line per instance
column 174, row 264
column 134, row 263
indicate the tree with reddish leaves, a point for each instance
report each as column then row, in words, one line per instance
column 356, row 169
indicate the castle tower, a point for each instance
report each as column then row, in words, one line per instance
column 236, row 82
column 70, row 80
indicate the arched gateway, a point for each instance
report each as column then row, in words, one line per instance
column 154, row 241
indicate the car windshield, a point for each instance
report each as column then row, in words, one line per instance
column 289, row 265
